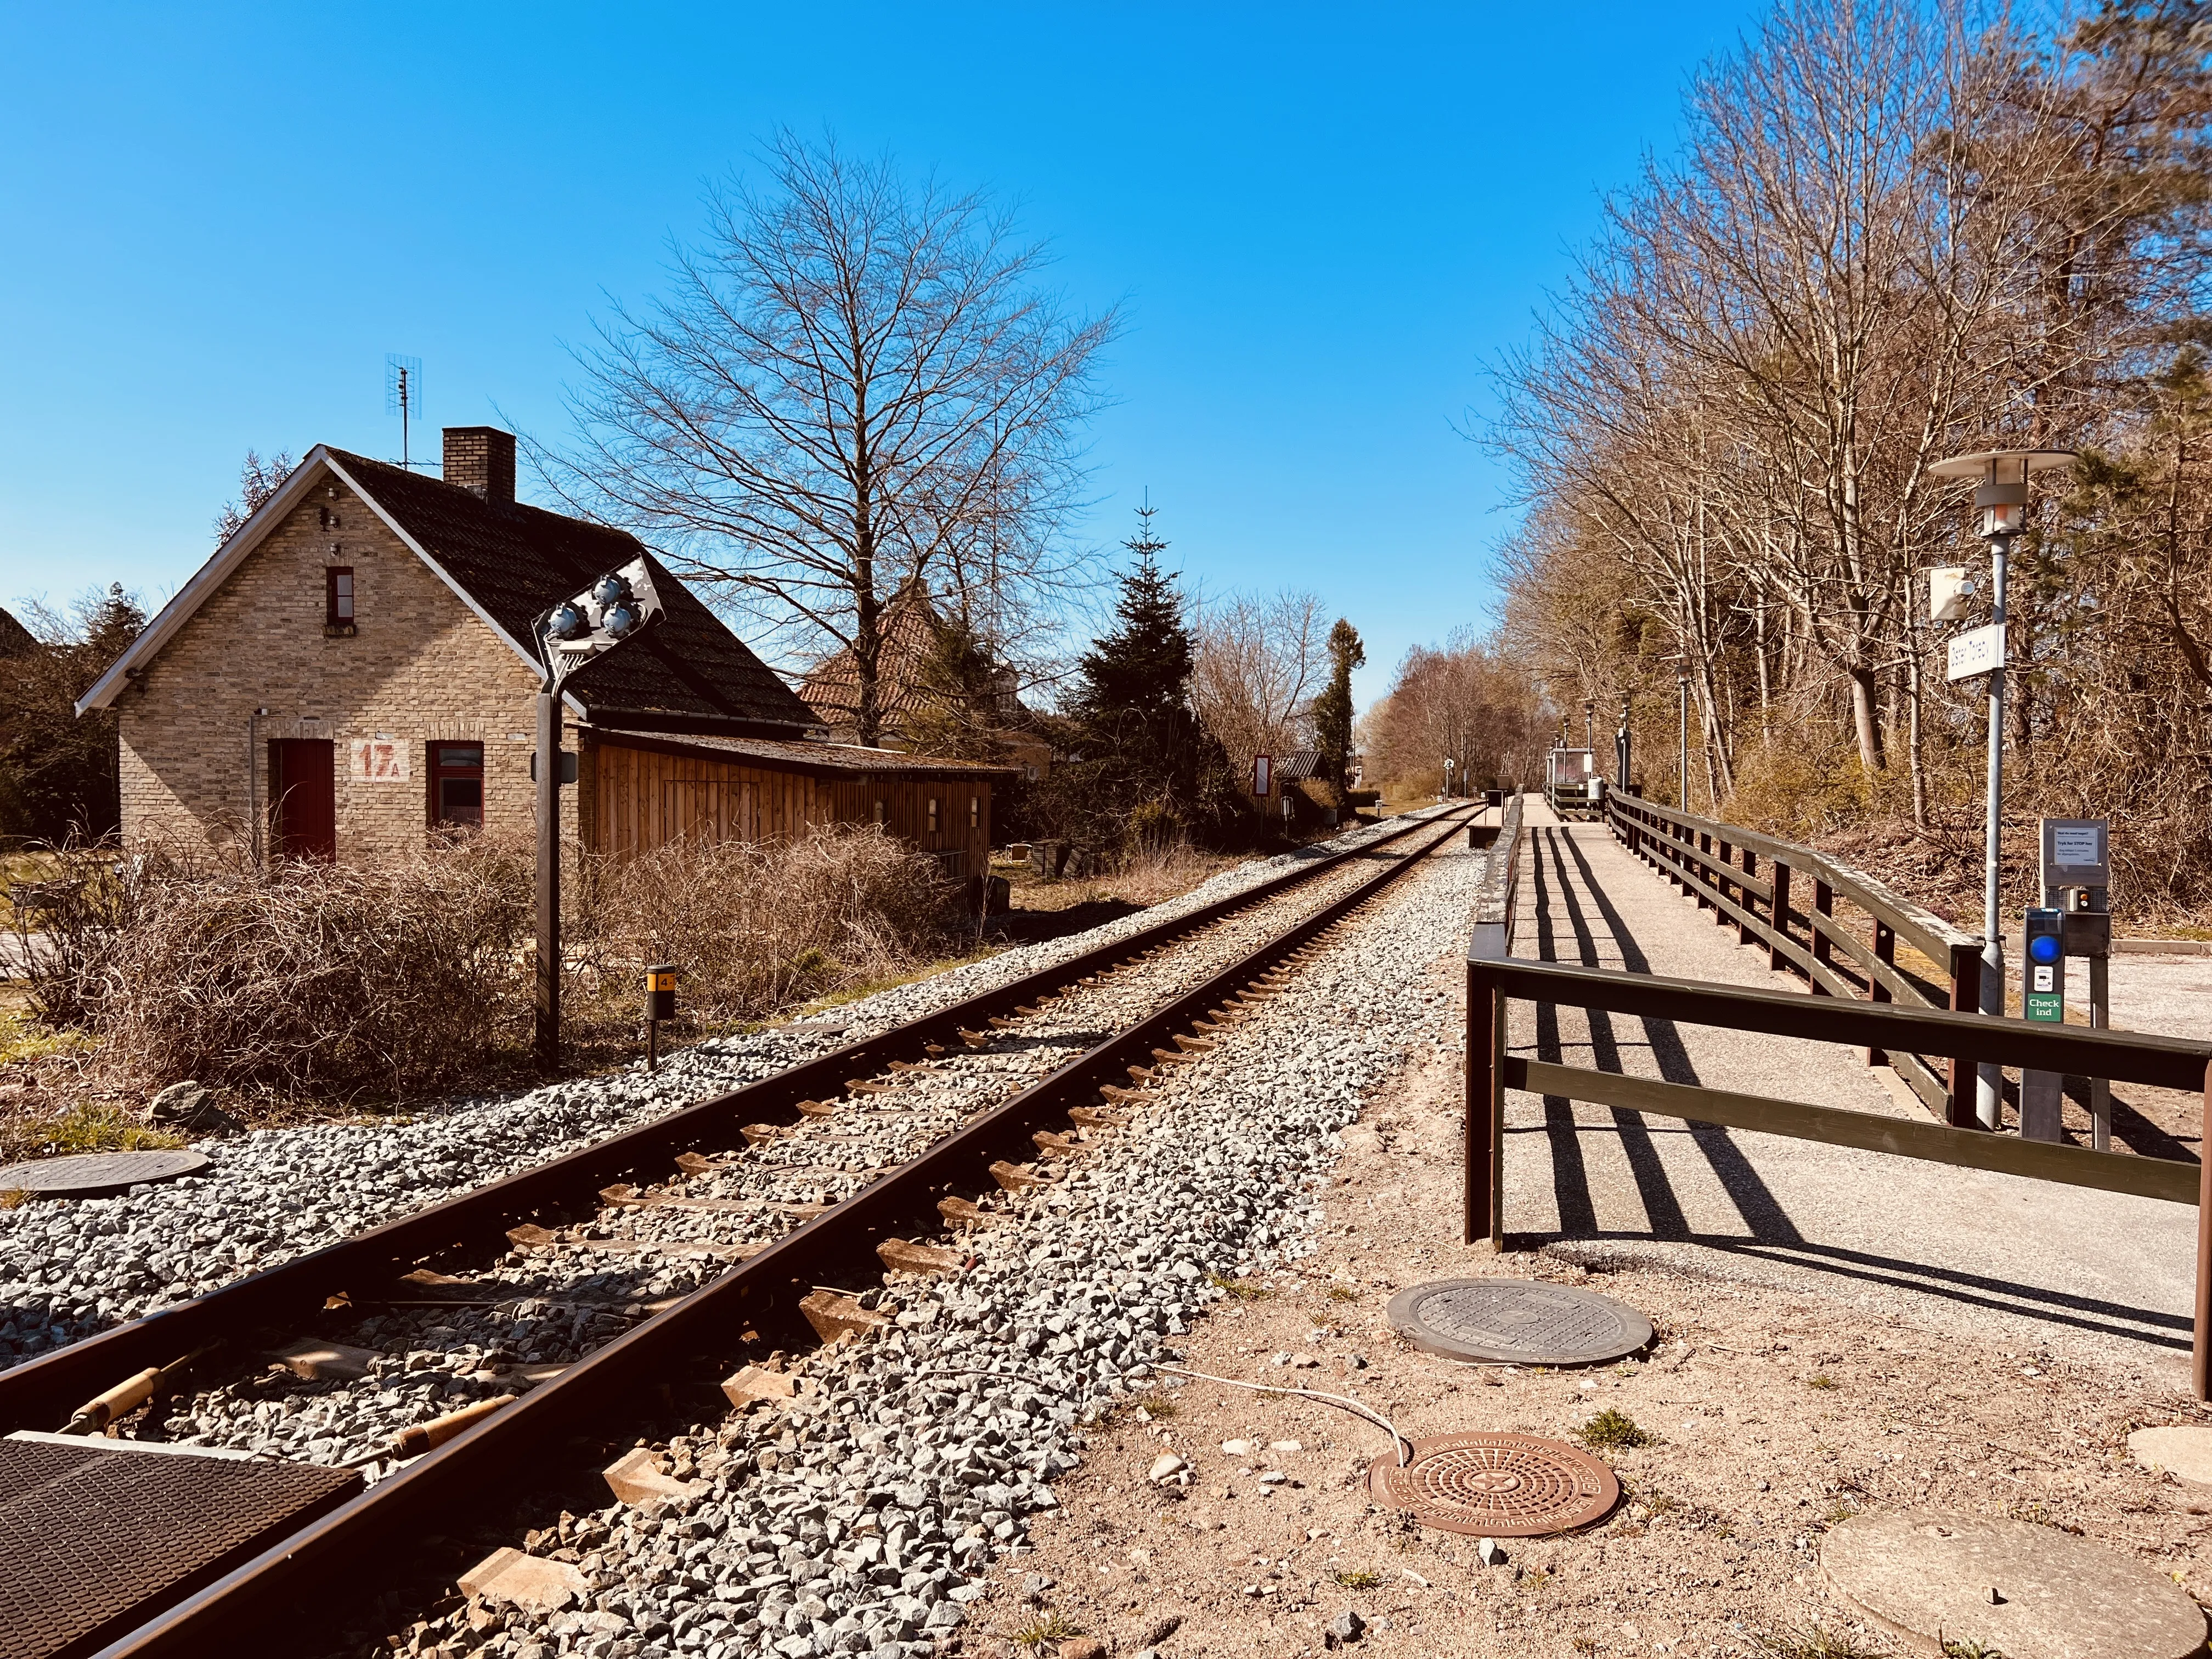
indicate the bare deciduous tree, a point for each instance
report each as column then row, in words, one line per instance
column 857, row 380
column 1260, row 661
column 258, row 480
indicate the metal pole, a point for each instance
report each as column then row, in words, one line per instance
column 1682, row 801
column 2100, row 1019
column 548, row 878
column 1988, row 1091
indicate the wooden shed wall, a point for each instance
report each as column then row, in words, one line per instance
column 642, row 799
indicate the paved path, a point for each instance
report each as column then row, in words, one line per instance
column 2019, row 1260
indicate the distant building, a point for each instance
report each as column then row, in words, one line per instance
column 351, row 675
column 912, row 632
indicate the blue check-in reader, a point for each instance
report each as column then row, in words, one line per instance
column 2042, row 997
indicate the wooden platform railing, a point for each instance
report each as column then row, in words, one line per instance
column 2163, row 1062
column 1499, row 897
column 1719, row 865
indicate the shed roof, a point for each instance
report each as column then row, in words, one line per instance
column 819, row 759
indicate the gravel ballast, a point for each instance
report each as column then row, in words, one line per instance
column 70, row 1269
column 859, row 1518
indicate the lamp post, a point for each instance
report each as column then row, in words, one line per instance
column 2001, row 495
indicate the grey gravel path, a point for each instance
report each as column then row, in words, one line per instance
column 2010, row 1258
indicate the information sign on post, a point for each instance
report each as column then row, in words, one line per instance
column 1976, row 651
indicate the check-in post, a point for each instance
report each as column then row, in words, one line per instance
column 2074, row 920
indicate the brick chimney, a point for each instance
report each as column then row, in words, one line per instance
column 482, row 459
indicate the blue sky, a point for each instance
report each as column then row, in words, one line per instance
column 1323, row 222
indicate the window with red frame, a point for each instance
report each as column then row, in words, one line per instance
column 338, row 598
column 456, row 785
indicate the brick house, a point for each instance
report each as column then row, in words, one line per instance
column 350, row 676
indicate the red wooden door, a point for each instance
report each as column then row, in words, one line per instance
column 303, row 805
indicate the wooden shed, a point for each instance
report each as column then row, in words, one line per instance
column 640, row 790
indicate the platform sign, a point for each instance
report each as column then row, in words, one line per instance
column 1976, row 651
column 2076, row 852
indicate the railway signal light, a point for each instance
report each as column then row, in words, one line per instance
column 571, row 635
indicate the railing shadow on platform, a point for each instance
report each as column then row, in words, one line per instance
column 1718, row 865
column 1494, row 981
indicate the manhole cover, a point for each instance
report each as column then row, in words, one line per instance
column 1495, row 1485
column 1516, row 1321
column 90, row 1173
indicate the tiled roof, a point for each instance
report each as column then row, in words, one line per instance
column 823, row 758
column 514, row 561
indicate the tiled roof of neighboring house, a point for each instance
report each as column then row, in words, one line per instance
column 16, row 639
column 824, row 759
column 909, row 626
column 515, row 561
column 1300, row 765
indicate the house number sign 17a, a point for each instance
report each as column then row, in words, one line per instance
column 379, row 760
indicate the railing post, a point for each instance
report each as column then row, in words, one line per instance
column 1961, row 1079
column 1704, row 845
column 1485, row 1102
column 1824, row 948
column 1743, row 896
column 1884, row 951
column 2200, row 1347
column 1777, row 916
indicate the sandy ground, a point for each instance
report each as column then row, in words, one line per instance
column 1835, row 1334
column 1772, row 1416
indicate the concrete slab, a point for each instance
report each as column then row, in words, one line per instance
column 2026, row 1591
column 2177, row 1450
column 635, row 1479
column 509, row 1577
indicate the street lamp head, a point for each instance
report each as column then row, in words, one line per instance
column 2002, row 490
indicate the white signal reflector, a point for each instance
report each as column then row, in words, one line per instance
column 1976, row 651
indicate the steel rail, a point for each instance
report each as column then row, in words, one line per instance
column 299, row 1582
column 40, row 1393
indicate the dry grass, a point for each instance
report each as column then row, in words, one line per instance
column 313, row 982
column 299, row 979
column 756, row 927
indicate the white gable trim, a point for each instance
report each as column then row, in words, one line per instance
column 234, row 552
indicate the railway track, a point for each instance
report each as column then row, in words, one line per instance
column 664, row 1367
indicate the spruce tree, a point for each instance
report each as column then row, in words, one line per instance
column 1147, row 768
column 1331, row 709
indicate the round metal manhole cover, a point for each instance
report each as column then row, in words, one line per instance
column 1516, row 1321
column 88, row 1174
column 1495, row 1485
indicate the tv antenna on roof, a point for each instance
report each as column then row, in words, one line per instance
column 403, row 395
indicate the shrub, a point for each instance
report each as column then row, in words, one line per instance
column 754, row 926
column 300, row 978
